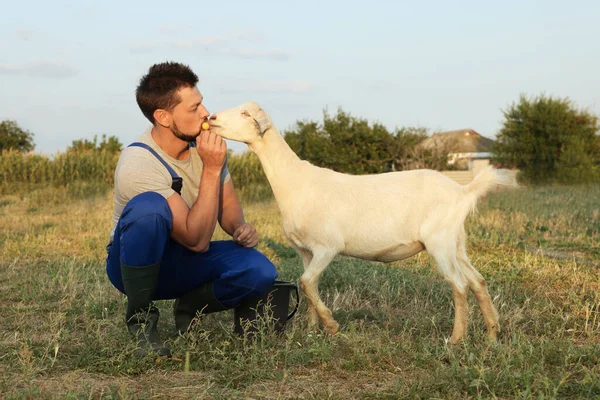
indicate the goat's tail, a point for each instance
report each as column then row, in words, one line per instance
column 486, row 180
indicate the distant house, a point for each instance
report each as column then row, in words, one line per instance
column 466, row 148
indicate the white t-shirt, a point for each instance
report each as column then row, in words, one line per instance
column 139, row 171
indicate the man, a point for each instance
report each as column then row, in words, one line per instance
column 160, row 246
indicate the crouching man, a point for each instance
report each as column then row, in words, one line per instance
column 171, row 188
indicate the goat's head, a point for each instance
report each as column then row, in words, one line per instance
column 245, row 123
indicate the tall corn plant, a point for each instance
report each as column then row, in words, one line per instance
column 249, row 178
column 20, row 173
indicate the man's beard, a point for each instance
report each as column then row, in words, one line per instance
column 183, row 136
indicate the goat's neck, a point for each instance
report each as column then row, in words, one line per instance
column 280, row 163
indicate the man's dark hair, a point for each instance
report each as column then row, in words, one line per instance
column 158, row 88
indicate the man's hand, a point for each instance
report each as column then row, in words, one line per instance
column 212, row 149
column 245, row 235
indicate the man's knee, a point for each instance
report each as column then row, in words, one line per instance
column 254, row 279
column 147, row 203
column 263, row 274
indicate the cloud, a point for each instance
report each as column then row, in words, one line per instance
column 284, row 86
column 252, row 34
column 275, row 55
column 207, row 42
column 40, row 69
column 268, row 86
column 168, row 29
column 200, row 41
column 234, row 44
column 26, row 35
column 379, row 85
column 143, row 48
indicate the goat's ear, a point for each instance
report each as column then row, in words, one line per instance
column 264, row 122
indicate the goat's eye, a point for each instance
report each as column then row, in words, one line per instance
column 246, row 113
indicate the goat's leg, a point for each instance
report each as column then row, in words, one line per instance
column 309, row 282
column 461, row 311
column 313, row 318
column 478, row 285
column 451, row 270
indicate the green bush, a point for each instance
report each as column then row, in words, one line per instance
column 550, row 141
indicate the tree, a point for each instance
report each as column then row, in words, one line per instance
column 549, row 141
column 110, row 144
column 13, row 137
column 409, row 154
column 343, row 143
column 351, row 145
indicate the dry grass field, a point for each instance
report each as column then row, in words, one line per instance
column 62, row 331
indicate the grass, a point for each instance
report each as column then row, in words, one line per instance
column 62, row 333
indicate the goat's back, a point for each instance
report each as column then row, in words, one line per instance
column 384, row 207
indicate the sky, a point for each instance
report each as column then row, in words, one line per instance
column 69, row 69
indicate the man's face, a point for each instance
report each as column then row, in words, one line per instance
column 188, row 115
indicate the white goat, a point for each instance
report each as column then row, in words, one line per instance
column 384, row 217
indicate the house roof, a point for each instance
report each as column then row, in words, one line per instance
column 459, row 141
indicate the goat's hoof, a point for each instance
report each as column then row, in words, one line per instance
column 454, row 341
column 332, row 328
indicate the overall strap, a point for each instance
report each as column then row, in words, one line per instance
column 177, row 180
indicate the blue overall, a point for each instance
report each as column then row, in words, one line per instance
column 142, row 238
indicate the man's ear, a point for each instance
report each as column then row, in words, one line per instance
column 263, row 120
column 162, row 117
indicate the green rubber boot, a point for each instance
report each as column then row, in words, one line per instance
column 142, row 315
column 199, row 300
